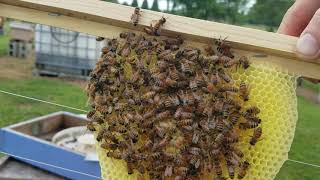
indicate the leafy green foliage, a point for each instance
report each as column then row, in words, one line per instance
column 218, row 10
column 269, row 12
column 145, row 4
column 155, row 6
column 134, row 3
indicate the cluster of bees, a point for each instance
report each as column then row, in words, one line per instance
column 170, row 110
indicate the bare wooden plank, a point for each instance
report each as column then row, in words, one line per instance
column 101, row 29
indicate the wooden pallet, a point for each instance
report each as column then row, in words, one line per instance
column 107, row 19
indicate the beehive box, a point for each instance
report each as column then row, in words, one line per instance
column 29, row 142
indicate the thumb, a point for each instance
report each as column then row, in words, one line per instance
column 308, row 45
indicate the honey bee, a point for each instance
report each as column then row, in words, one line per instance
column 91, row 114
column 217, row 168
column 141, row 169
column 215, row 78
column 163, row 115
column 200, row 81
column 187, row 68
column 185, row 122
column 244, row 92
column 155, row 155
column 195, row 138
column 186, row 98
column 224, row 76
column 133, row 134
column 148, row 95
column 178, row 112
column 193, row 85
column 130, row 167
column 220, row 126
column 99, row 38
column 100, row 134
column 220, row 138
column 125, row 50
column 164, row 54
column 148, row 56
column 135, row 16
column 109, row 136
column 155, row 29
column 255, row 119
column 121, row 129
column 244, row 62
column 162, row 143
column 231, row 157
column 149, row 114
column 195, row 151
column 229, row 89
column 231, row 63
column 216, row 150
column 169, row 171
column 238, row 152
column 230, row 169
column 169, row 82
column 243, row 170
column 248, row 125
column 256, row 135
column 204, row 125
column 182, row 171
column 224, row 59
column 174, row 41
column 171, row 101
column 209, row 49
column 219, row 106
column 186, row 115
column 224, row 48
column 148, row 144
column 232, row 137
column 115, row 155
column 162, row 66
column 253, row 110
column 157, row 26
column 141, row 177
column 90, row 126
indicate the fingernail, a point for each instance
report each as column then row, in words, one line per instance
column 307, row 45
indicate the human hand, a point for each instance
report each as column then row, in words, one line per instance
column 303, row 19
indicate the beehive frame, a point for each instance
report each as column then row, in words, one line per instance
column 109, row 19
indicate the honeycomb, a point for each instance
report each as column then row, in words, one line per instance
column 273, row 92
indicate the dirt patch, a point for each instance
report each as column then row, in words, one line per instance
column 309, row 94
column 15, row 68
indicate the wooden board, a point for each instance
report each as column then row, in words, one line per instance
column 108, row 19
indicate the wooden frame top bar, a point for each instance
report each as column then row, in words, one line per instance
column 116, row 18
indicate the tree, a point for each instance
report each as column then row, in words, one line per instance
column 269, row 12
column 145, row 4
column 155, row 5
column 134, row 3
column 113, row 1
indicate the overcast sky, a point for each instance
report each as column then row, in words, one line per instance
column 163, row 3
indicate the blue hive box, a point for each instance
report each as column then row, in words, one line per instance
column 29, row 141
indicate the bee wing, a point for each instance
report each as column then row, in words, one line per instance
column 153, row 23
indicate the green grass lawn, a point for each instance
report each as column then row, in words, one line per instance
column 306, row 145
column 310, row 85
column 14, row 109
